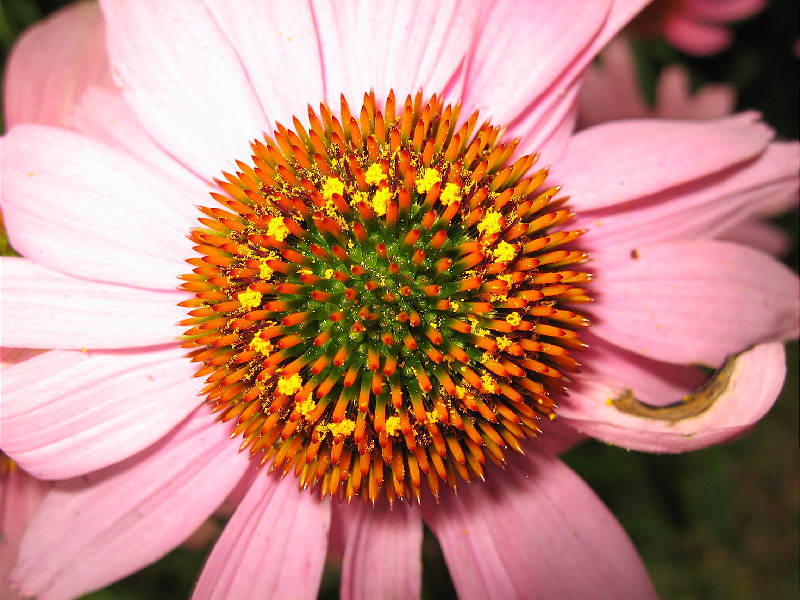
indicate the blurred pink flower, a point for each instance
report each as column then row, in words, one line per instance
column 611, row 90
column 694, row 26
column 100, row 212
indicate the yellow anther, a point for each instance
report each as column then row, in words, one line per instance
column 332, row 186
column 514, row 319
column 451, row 193
column 454, row 306
column 461, row 391
column 342, row 429
column 264, row 270
column 260, row 345
column 290, row 385
column 249, row 299
column 328, row 274
column 375, row 174
column 429, row 178
column 432, row 416
column 503, row 342
column 277, row 229
column 504, row 252
column 380, row 201
column 490, row 223
column 488, row 383
column 307, row 406
column 393, row 425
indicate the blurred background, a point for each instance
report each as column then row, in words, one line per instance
column 720, row 523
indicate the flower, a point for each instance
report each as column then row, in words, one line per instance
column 100, row 214
column 694, row 26
column 611, row 91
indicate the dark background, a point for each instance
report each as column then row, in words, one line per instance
column 717, row 523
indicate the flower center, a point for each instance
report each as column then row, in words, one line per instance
column 379, row 302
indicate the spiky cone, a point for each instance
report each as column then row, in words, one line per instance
column 380, row 299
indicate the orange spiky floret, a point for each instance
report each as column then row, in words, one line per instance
column 380, row 304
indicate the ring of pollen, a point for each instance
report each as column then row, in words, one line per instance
column 380, row 299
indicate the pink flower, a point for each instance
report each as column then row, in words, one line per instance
column 611, row 91
column 100, row 212
column 695, row 26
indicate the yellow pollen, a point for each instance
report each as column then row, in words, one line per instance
column 451, row 193
column 375, row 175
column 380, row 202
column 393, row 425
column 514, row 319
column 264, row 270
column 305, row 272
column 432, row 416
column 277, row 229
column 503, row 342
column 504, row 252
column 429, row 178
column 307, row 406
column 461, row 391
column 332, row 186
column 342, row 429
column 328, row 273
column 359, row 197
column 489, row 383
column 490, row 223
column 260, row 345
column 291, row 385
column 249, row 299
column 454, row 306
column 498, row 297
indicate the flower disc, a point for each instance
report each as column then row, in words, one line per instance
column 379, row 301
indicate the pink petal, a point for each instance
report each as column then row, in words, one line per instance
column 80, row 207
column 52, row 63
column 702, row 208
column 66, row 413
column 694, row 37
column 91, row 531
column 184, row 81
column 47, row 309
column 610, row 89
column 13, row 356
column 723, row 10
column 616, row 162
column 273, row 547
column 674, row 98
column 539, row 122
column 401, row 45
column 759, row 235
column 755, row 379
column 20, row 494
column 517, row 59
column 693, row 301
column 382, row 557
column 277, row 44
column 103, row 115
column 538, row 531
column 654, row 382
